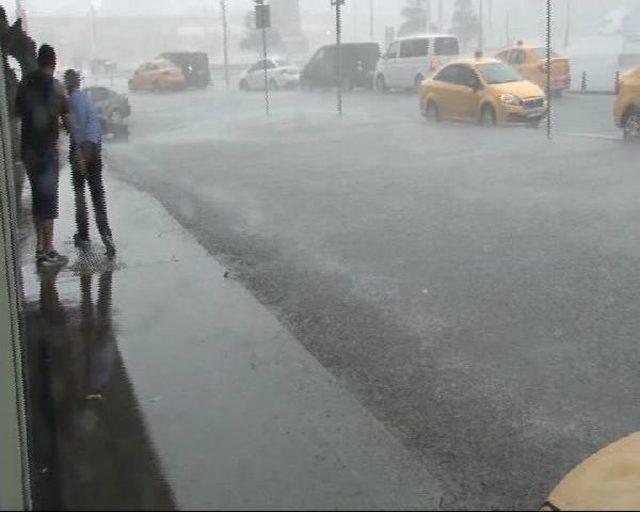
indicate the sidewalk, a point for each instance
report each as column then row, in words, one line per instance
column 169, row 385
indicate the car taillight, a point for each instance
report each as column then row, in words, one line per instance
column 435, row 65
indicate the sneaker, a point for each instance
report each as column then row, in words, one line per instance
column 80, row 242
column 109, row 245
column 53, row 259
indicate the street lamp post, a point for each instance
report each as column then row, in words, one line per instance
column 338, row 4
column 225, row 43
column 371, row 19
column 263, row 22
column 481, row 28
column 549, row 101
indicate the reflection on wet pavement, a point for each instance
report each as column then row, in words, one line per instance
column 89, row 443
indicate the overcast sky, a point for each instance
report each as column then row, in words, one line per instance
column 78, row 7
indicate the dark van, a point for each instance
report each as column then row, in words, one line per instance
column 358, row 66
column 194, row 67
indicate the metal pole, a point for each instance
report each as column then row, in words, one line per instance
column 549, row 101
column 225, row 43
column 338, row 4
column 371, row 20
column 266, row 75
column 481, row 30
column 567, row 33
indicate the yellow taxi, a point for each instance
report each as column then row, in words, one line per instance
column 531, row 62
column 482, row 90
column 626, row 110
column 157, row 75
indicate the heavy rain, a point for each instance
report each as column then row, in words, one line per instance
column 359, row 254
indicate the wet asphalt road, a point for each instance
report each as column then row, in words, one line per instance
column 478, row 290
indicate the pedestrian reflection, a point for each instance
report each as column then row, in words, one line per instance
column 97, row 329
column 90, row 445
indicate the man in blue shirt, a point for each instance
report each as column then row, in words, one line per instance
column 86, row 163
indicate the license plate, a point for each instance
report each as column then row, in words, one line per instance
column 535, row 112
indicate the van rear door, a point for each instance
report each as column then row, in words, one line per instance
column 445, row 49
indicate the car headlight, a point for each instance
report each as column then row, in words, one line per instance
column 510, row 99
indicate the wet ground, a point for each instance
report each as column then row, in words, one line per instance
column 476, row 290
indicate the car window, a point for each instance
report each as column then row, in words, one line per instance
column 504, row 55
column 541, row 53
column 516, row 57
column 98, row 93
column 256, row 66
column 447, row 74
column 269, row 64
column 414, row 48
column 318, row 56
column 392, row 53
column 446, row 46
column 498, row 73
column 466, row 76
column 281, row 62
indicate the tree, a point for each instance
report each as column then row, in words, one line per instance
column 252, row 39
column 465, row 23
column 417, row 14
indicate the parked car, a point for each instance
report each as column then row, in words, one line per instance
column 358, row 66
column 481, row 90
column 157, row 75
column 194, row 67
column 531, row 62
column 280, row 74
column 626, row 110
column 408, row 61
column 113, row 109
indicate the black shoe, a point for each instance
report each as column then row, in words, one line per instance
column 109, row 246
column 81, row 242
column 53, row 259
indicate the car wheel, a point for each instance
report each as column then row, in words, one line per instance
column 381, row 84
column 244, row 85
column 432, row 112
column 632, row 126
column 488, row 116
column 535, row 123
column 347, row 84
column 273, row 85
column 418, row 82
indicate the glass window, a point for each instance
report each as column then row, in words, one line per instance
column 392, row 53
column 466, row 76
column 516, row 57
column 98, row 93
column 270, row 64
column 414, row 48
column 498, row 73
column 447, row 74
column 446, row 46
column 541, row 53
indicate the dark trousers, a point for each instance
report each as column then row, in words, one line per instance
column 93, row 159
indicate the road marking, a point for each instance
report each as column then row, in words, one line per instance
column 600, row 136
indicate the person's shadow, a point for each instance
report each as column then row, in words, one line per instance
column 90, row 448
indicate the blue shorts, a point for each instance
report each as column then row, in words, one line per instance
column 43, row 169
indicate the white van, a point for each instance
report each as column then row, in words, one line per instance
column 410, row 60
